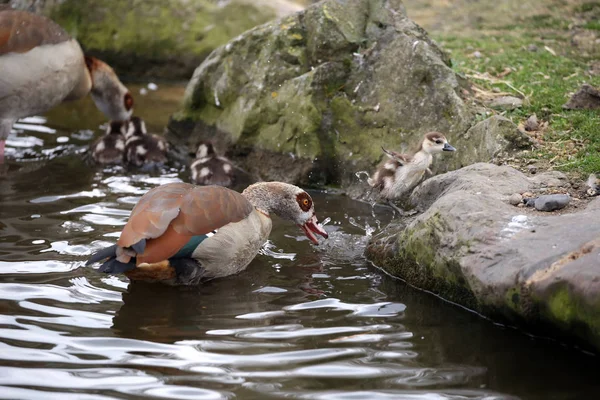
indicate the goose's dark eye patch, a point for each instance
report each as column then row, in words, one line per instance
column 304, row 201
column 438, row 141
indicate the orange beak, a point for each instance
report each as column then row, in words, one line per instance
column 311, row 227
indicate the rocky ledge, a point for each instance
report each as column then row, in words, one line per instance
column 515, row 265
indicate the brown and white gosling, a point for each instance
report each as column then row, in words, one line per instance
column 594, row 185
column 209, row 168
column 110, row 148
column 143, row 148
column 42, row 66
column 402, row 172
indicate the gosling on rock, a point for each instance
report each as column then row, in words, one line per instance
column 402, row 172
column 593, row 184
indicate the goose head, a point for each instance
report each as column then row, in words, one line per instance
column 109, row 94
column 435, row 142
column 288, row 202
column 205, row 149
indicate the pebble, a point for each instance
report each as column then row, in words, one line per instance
column 515, row 199
column 532, row 169
column 552, row 202
column 506, row 103
column 477, row 54
column 532, row 123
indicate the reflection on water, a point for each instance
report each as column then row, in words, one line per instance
column 301, row 322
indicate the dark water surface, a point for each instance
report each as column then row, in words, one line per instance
column 302, row 322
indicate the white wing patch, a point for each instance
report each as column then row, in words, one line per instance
column 204, row 172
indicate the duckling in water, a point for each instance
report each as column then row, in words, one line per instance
column 110, row 148
column 400, row 174
column 210, row 169
column 143, row 148
column 594, row 185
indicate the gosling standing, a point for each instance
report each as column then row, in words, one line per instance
column 400, row 174
column 593, row 185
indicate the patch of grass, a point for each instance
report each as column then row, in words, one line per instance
column 539, row 64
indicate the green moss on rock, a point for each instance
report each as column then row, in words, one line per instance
column 155, row 37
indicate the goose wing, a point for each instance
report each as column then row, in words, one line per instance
column 169, row 216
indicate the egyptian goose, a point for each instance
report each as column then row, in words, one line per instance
column 42, row 66
column 400, row 174
column 143, row 148
column 110, row 148
column 180, row 233
column 210, row 169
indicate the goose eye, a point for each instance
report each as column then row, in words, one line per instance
column 438, row 141
column 128, row 101
column 305, row 202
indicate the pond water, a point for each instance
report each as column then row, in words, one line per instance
column 302, row 322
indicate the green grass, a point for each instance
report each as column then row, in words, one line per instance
column 572, row 140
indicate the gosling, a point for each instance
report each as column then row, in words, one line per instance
column 209, row 168
column 397, row 176
column 594, row 185
column 110, row 148
column 143, row 148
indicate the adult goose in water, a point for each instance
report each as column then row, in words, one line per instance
column 402, row 172
column 180, row 233
column 209, row 168
column 42, row 66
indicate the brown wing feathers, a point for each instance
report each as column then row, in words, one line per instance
column 21, row 31
column 169, row 215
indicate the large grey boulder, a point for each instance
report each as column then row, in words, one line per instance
column 514, row 264
column 319, row 92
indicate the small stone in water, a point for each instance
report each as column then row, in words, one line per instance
column 152, row 86
column 515, row 199
column 552, row 202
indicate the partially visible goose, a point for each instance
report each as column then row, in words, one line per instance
column 400, row 174
column 42, row 66
column 110, row 148
column 143, row 148
column 180, row 233
column 210, row 169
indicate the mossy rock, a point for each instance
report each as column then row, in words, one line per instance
column 472, row 247
column 154, row 38
column 329, row 85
